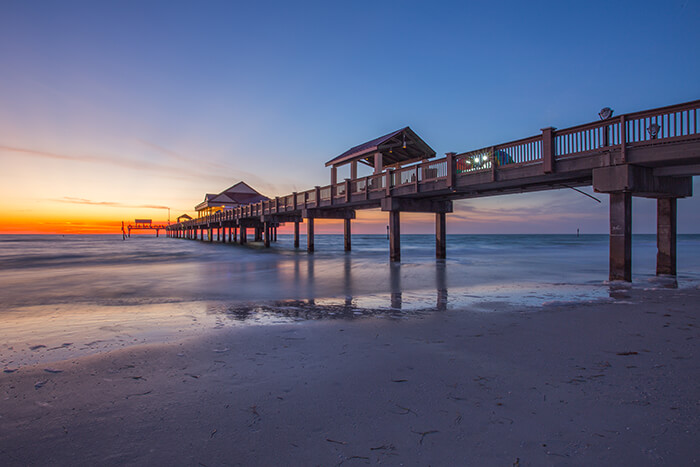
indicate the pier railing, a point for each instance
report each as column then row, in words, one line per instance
column 650, row 127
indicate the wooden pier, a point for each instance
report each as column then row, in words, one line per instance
column 142, row 224
column 653, row 153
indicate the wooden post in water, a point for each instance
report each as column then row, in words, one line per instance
column 347, row 234
column 296, row 234
column 666, row 221
column 244, row 235
column 440, row 236
column 310, row 234
column 621, row 236
column 268, row 229
column 394, row 236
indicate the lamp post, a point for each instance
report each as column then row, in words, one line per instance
column 653, row 130
column 605, row 114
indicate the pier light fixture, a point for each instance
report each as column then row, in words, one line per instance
column 605, row 113
column 653, row 130
column 404, row 141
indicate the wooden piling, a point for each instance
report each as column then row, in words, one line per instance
column 310, row 234
column 666, row 225
column 621, row 236
column 394, row 236
column 347, row 234
column 440, row 236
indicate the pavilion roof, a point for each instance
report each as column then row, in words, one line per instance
column 397, row 148
column 235, row 195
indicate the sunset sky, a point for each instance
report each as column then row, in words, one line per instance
column 111, row 111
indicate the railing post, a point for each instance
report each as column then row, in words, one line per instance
column 387, row 183
column 318, row 195
column 451, row 170
column 277, row 204
column 623, row 139
column 294, row 201
column 548, row 149
column 347, row 190
column 493, row 164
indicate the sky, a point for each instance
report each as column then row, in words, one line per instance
column 111, row 111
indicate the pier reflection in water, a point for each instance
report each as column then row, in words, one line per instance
column 308, row 287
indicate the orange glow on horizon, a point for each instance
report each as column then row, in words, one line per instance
column 367, row 222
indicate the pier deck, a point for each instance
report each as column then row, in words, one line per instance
column 653, row 153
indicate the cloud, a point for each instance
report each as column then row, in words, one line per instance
column 160, row 170
column 536, row 209
column 177, row 156
column 111, row 204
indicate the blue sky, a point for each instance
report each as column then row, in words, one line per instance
column 156, row 103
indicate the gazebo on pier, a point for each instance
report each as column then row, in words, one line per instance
column 237, row 195
column 394, row 150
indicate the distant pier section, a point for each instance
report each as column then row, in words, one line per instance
column 142, row 224
column 653, row 153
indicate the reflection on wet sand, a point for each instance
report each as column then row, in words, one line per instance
column 395, row 280
column 441, row 284
column 622, row 290
column 344, row 295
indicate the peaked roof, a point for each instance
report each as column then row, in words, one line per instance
column 397, row 148
column 240, row 193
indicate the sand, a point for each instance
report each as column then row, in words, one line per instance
column 611, row 383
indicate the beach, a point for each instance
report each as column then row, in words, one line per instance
column 610, row 383
column 169, row 352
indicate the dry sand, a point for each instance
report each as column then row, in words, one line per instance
column 592, row 384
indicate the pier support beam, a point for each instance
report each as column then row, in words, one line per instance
column 310, row 234
column 296, row 234
column 244, row 235
column 347, row 234
column 621, row 236
column 440, row 236
column 268, row 231
column 623, row 181
column 666, row 216
column 210, row 234
column 395, row 236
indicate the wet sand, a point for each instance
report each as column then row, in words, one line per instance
column 589, row 384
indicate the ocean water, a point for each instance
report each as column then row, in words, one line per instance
column 62, row 296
